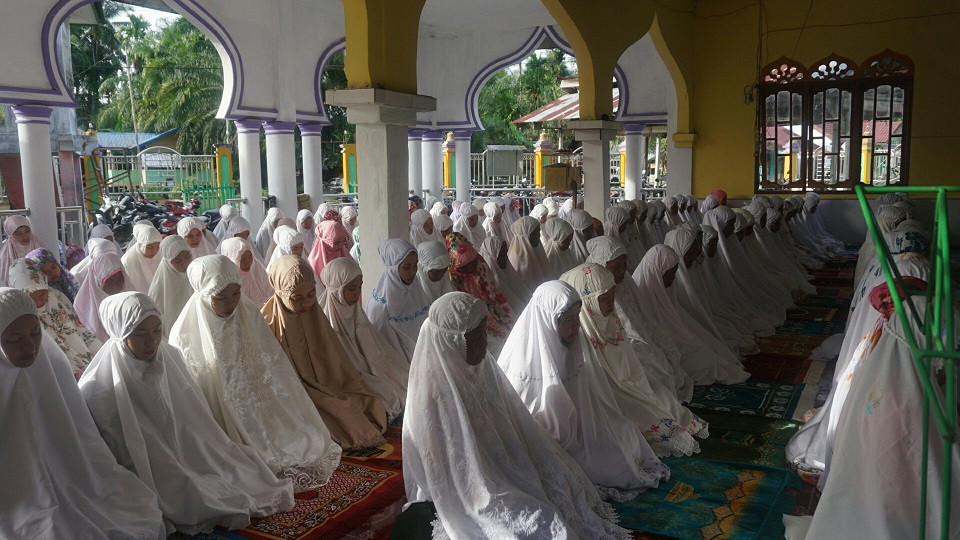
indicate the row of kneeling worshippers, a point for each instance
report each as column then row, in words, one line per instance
column 864, row 446
column 599, row 364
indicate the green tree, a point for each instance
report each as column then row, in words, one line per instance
column 94, row 53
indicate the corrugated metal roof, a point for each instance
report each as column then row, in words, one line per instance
column 565, row 107
column 126, row 140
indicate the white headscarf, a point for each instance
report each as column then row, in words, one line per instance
column 91, row 293
column 141, row 269
column 417, row 233
column 159, row 426
column 506, row 480
column 248, row 381
column 475, row 234
column 264, row 238
column 227, row 213
column 348, row 215
column 433, row 255
column 95, row 246
column 103, row 231
column 528, row 260
column 667, row 425
column 512, row 287
column 254, row 283
column 397, row 310
column 60, row 479
column 284, row 238
column 383, row 368
column 582, row 224
column 441, row 223
column 558, row 260
column 552, row 207
column 438, row 209
column 170, row 288
column 187, row 224
column 322, row 210
column 12, row 250
column 565, row 209
column 492, row 210
column 616, row 217
column 553, row 381
column 307, row 233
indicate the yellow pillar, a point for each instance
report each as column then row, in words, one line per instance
column 382, row 39
column 866, row 157
column 224, row 164
column 542, row 152
column 449, row 154
column 349, row 158
column 622, row 148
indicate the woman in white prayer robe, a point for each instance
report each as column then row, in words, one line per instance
column 151, row 414
column 95, row 247
column 747, row 225
column 526, row 254
column 227, row 213
column 616, row 220
column 398, row 304
column 443, row 224
column 106, row 277
column 493, row 224
column 248, row 381
column 263, row 240
column 348, row 218
column 494, row 253
column 306, row 225
column 631, row 236
column 545, row 362
column 472, row 449
column 433, row 263
column 254, row 282
column 19, row 242
column 582, row 223
column 468, row 224
column 655, row 348
column 667, row 425
column 704, row 357
column 383, row 368
column 557, row 246
column 288, row 242
column 170, row 288
column 763, row 233
column 422, row 228
column 644, row 242
column 105, row 232
column 887, row 220
column 192, row 230
column 142, row 257
column 672, row 212
column 60, row 479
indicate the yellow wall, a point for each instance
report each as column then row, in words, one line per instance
column 382, row 43
column 726, row 62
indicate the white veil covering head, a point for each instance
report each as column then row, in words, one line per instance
column 91, row 293
column 254, row 283
column 705, row 358
column 528, row 260
column 187, row 224
column 227, row 213
column 539, row 212
column 558, row 260
column 60, row 479
column 139, row 268
column 472, row 448
column 511, row 285
column 553, row 209
column 348, row 218
column 12, row 250
column 308, row 233
column 170, row 288
column 418, row 220
column 441, row 223
column 285, row 238
column 248, row 381
column 492, row 210
column 396, row 309
column 95, row 246
column 322, row 210
column 582, row 224
column 437, row 209
column 433, row 255
column 103, row 231
column 615, row 217
column 565, row 209
column 383, row 368
column 264, row 237
column 475, row 234
column 553, row 380
column 158, row 425
column 666, row 424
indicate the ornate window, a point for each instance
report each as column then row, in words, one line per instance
column 835, row 123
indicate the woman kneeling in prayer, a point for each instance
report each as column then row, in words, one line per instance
column 152, row 415
column 247, row 379
column 354, row 415
column 472, row 449
column 59, row 478
column 106, row 277
column 470, row 275
column 398, row 304
column 383, row 368
column 433, row 262
column 170, row 288
column 667, row 425
column 545, row 361
column 254, row 283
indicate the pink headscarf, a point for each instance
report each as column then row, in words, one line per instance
column 327, row 233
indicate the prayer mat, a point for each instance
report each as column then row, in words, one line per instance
column 746, row 439
column 811, row 313
column 713, row 499
column 793, row 345
column 776, row 367
column 770, row 399
column 831, row 282
column 824, row 302
column 809, row 328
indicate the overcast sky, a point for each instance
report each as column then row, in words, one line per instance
column 153, row 16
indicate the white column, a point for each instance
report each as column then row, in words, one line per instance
column 382, row 118
column 595, row 135
column 679, row 159
column 414, row 162
column 281, row 166
column 464, row 169
column 633, row 166
column 36, row 165
column 431, row 152
column 251, row 186
column 312, row 162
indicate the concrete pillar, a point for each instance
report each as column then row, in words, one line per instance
column 36, row 164
column 251, row 185
column 633, row 158
column 461, row 139
column 382, row 118
column 414, row 162
column 431, row 153
column 281, row 165
column 595, row 135
column 312, row 162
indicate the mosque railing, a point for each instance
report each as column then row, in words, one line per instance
column 71, row 224
column 937, row 340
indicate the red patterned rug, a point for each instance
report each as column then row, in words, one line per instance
column 777, row 367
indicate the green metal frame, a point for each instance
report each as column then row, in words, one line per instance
column 937, row 340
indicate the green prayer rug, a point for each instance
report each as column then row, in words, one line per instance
column 713, row 499
column 770, row 399
column 746, row 439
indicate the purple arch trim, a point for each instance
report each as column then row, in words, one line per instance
column 325, row 57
